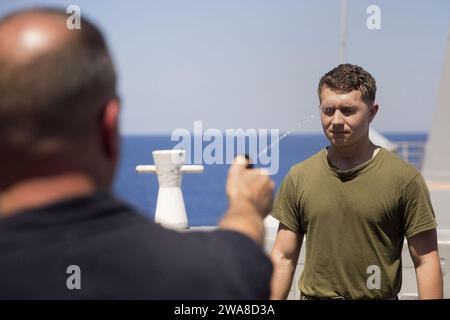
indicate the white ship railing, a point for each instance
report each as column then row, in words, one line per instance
column 411, row 151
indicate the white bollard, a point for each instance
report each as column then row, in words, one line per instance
column 169, row 167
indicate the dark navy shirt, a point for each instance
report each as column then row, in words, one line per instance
column 120, row 254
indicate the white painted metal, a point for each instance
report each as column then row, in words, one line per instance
column 169, row 167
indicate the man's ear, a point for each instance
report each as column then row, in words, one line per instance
column 373, row 111
column 110, row 129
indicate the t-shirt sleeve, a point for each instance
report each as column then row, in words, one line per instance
column 418, row 211
column 285, row 208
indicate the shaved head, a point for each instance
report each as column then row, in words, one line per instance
column 53, row 80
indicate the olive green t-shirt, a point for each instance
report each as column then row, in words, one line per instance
column 355, row 222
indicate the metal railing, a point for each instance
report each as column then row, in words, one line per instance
column 411, row 151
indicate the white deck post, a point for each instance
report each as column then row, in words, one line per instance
column 169, row 167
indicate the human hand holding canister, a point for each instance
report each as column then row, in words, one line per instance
column 250, row 196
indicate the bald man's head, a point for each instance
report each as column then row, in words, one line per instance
column 29, row 34
column 53, row 81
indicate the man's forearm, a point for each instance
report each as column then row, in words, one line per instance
column 429, row 280
column 283, row 274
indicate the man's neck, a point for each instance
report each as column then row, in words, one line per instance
column 38, row 192
column 348, row 157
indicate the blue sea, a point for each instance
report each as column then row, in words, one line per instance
column 204, row 194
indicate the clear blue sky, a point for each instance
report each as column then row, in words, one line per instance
column 256, row 63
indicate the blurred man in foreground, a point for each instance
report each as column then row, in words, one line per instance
column 59, row 148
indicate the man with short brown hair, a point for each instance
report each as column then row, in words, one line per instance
column 355, row 202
